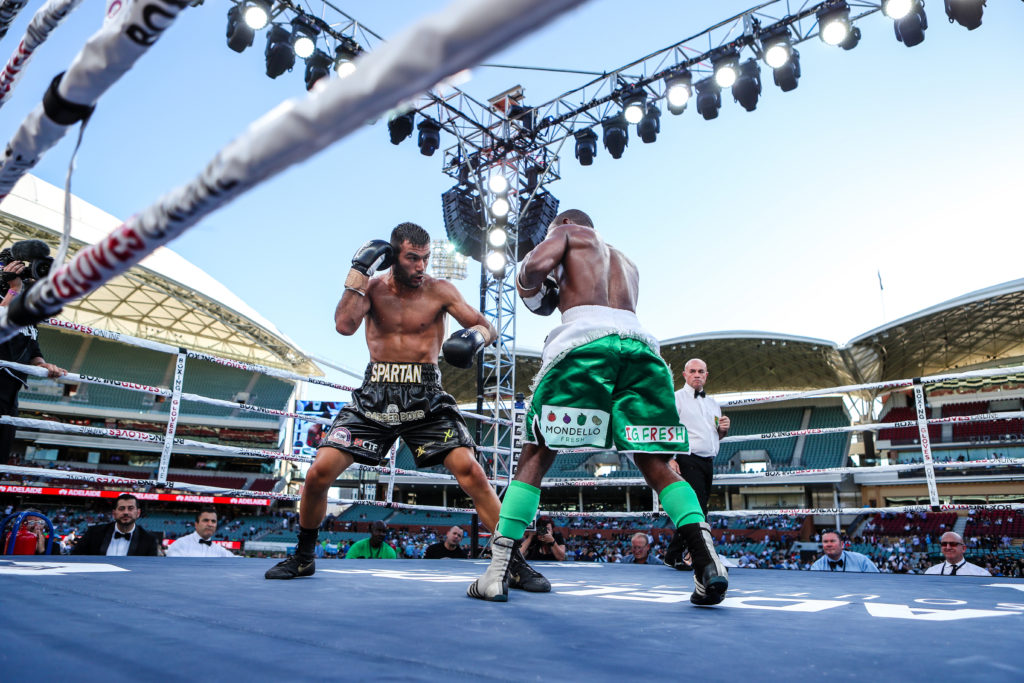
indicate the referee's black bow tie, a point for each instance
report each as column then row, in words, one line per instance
column 205, row 542
column 833, row 565
column 127, row 536
column 698, row 392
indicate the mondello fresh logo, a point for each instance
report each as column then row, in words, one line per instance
column 654, row 434
column 565, row 426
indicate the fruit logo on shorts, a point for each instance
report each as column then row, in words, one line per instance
column 566, row 426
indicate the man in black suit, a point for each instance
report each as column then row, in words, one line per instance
column 120, row 537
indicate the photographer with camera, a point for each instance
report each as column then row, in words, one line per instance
column 24, row 263
column 545, row 543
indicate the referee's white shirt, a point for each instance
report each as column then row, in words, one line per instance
column 700, row 415
column 189, row 546
column 965, row 568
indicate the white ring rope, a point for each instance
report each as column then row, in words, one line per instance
column 45, row 20
column 8, row 11
column 437, row 46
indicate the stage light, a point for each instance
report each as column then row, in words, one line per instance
column 776, row 47
column 303, row 38
column 400, row 126
column 586, row 146
column 524, row 115
column 650, row 124
column 344, row 56
column 748, row 85
column 257, row 14
column 616, row 135
column 279, row 54
column 787, row 75
column 498, row 183
column 495, row 261
column 633, row 104
column 500, row 207
column 429, row 137
column 909, row 20
column 709, row 98
column 240, row 34
column 497, row 237
column 678, row 88
column 834, row 23
column 318, row 65
column 726, row 69
column 967, row 13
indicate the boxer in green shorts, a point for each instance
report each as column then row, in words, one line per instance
column 601, row 385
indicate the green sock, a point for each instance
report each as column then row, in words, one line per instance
column 681, row 504
column 518, row 509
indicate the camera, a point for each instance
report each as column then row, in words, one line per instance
column 36, row 256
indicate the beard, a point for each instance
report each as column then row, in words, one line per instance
column 403, row 277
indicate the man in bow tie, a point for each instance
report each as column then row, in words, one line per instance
column 836, row 559
column 705, row 425
column 200, row 543
column 120, row 537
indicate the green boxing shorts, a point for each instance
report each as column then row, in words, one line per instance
column 611, row 393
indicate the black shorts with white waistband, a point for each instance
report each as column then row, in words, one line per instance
column 399, row 400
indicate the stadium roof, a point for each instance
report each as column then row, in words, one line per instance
column 165, row 298
column 982, row 329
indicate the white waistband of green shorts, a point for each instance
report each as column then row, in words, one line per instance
column 584, row 324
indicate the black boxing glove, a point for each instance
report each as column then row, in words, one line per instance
column 545, row 301
column 461, row 348
column 373, row 256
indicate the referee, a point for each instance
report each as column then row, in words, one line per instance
column 705, row 426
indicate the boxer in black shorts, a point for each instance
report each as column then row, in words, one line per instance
column 399, row 400
column 405, row 311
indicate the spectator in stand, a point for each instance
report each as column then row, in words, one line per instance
column 836, row 559
column 955, row 565
column 120, row 537
column 705, row 426
column 640, row 551
column 451, row 546
column 544, row 543
column 200, row 542
column 373, row 547
column 34, row 525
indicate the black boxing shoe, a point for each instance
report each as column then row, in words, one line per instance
column 677, row 555
column 710, row 577
column 291, row 568
column 524, row 577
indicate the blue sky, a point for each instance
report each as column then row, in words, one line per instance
column 904, row 161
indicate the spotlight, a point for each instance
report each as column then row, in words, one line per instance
column 633, row 104
column 429, row 138
column 586, row 146
column 497, row 237
column 748, row 85
column 279, row 54
column 303, row 38
column 726, row 69
column 495, row 261
column 524, row 115
column 497, row 183
column 344, row 56
column 500, row 207
column 787, row 75
column 909, row 20
column 776, row 47
column 678, row 89
column 257, row 14
column 240, row 34
column 318, row 65
column 967, row 13
column 616, row 135
column 709, row 98
column 834, row 23
column 650, row 124
column 400, row 126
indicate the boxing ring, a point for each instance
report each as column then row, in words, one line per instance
column 187, row 619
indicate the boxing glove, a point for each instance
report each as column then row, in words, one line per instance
column 373, row 256
column 460, row 348
column 545, row 301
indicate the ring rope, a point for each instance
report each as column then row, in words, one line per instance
column 45, row 20
column 8, row 11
